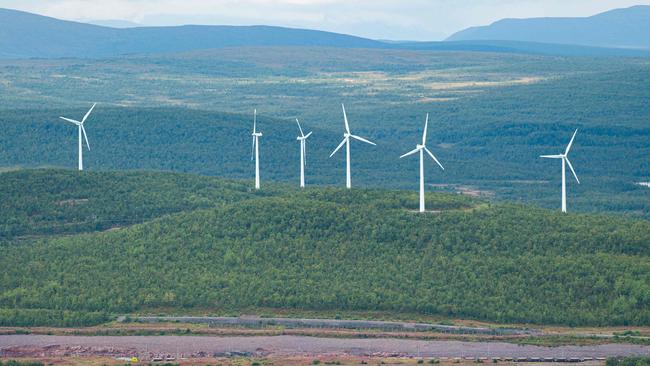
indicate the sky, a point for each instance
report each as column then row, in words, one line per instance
column 378, row 19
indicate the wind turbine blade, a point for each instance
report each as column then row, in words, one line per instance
column 88, row 113
column 300, row 128
column 410, row 153
column 254, row 123
column 345, row 117
column 71, row 121
column 307, row 136
column 572, row 171
column 551, row 156
column 434, row 158
column 339, row 147
column 424, row 135
column 362, row 139
column 85, row 136
column 253, row 149
column 570, row 143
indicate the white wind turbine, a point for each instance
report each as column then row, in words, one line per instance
column 421, row 149
column 346, row 141
column 255, row 152
column 82, row 130
column 303, row 153
column 565, row 161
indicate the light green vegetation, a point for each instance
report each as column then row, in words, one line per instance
column 321, row 250
column 491, row 116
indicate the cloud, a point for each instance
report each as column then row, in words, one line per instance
column 385, row 19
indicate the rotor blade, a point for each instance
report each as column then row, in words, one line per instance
column 339, row 147
column 572, row 171
column 570, row 143
column 434, row 158
column 307, row 136
column 424, row 135
column 85, row 136
column 551, row 156
column 300, row 128
column 345, row 117
column 254, row 122
column 362, row 139
column 88, row 113
column 253, row 149
column 410, row 153
column 71, row 121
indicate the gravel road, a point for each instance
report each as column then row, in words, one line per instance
column 296, row 345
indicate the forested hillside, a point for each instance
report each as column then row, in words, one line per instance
column 51, row 202
column 328, row 249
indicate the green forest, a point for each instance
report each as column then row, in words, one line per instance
column 205, row 243
column 492, row 115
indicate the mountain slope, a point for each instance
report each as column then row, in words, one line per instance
column 67, row 202
column 624, row 28
column 333, row 249
column 25, row 35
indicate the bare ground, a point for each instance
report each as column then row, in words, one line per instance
column 262, row 346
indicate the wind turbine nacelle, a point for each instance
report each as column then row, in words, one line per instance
column 257, row 134
column 419, row 147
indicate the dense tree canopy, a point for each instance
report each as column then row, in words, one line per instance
column 328, row 249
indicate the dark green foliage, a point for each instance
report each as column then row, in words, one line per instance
column 328, row 249
column 488, row 137
column 47, row 202
column 21, row 363
column 628, row 361
column 46, row 317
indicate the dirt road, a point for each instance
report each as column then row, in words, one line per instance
column 21, row 345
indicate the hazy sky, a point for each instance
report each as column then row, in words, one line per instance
column 379, row 19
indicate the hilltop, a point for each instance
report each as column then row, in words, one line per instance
column 30, row 35
column 622, row 28
column 26, row 35
column 492, row 115
column 324, row 249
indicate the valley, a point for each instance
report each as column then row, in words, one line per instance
column 139, row 226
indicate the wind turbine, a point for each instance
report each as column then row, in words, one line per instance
column 255, row 152
column 346, row 141
column 82, row 130
column 421, row 149
column 565, row 161
column 303, row 153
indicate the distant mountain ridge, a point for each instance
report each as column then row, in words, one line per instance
column 25, row 35
column 622, row 28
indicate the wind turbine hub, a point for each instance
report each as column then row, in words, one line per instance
column 418, row 146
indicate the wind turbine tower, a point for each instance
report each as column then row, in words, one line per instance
column 82, row 131
column 303, row 153
column 255, row 152
column 346, row 141
column 422, row 149
column 565, row 161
